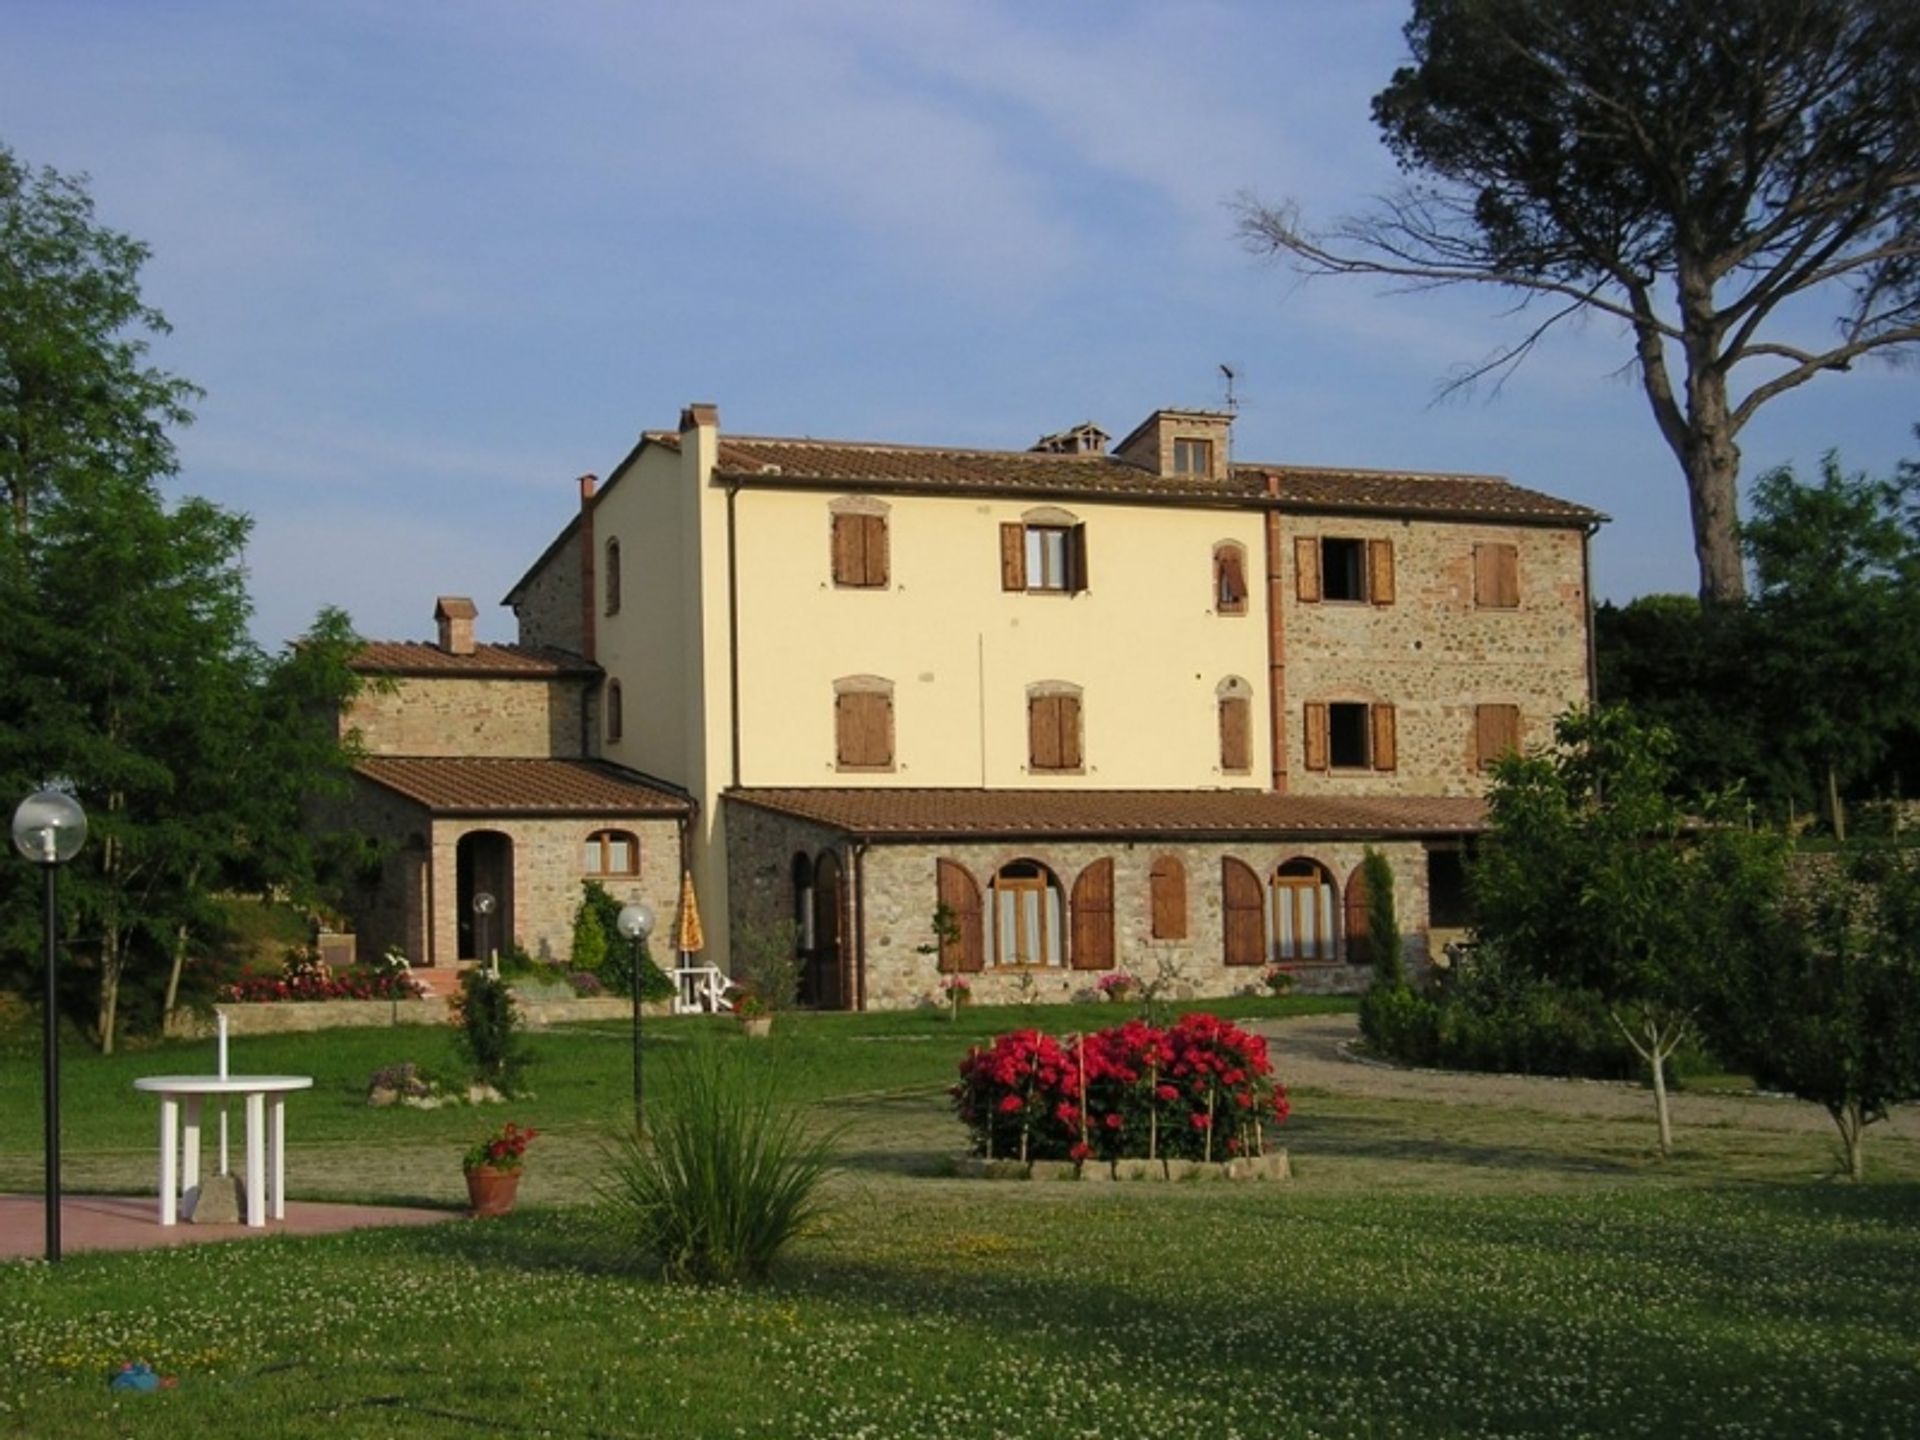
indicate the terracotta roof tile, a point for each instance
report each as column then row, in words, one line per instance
column 828, row 463
column 464, row 785
column 419, row 657
column 890, row 814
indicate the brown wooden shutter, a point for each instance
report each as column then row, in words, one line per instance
column 1093, row 918
column 1313, row 734
column 1069, row 711
column 1306, row 568
column 1496, row 730
column 1013, row 557
column 849, row 568
column 873, row 541
column 1358, row 950
column 1496, row 576
column 1167, row 883
column 1077, row 558
column 1244, row 930
column 1385, row 749
column 1043, row 732
column 1236, row 733
column 863, row 728
column 957, row 890
column 1380, row 571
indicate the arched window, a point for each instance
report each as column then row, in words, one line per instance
column 956, row 891
column 1234, row 697
column 612, row 572
column 1093, row 917
column 616, row 720
column 802, row 871
column 1027, row 914
column 1304, row 909
column 1229, row 578
column 1359, row 952
column 610, row 852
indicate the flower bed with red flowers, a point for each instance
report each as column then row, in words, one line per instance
column 339, row 985
column 1201, row 1089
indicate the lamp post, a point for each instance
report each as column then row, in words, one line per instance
column 49, row 829
column 636, row 923
column 482, row 908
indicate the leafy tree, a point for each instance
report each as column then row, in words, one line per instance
column 1837, row 613
column 1830, row 1011
column 1594, row 877
column 125, row 664
column 1690, row 168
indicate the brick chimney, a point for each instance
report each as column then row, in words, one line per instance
column 589, row 569
column 454, row 615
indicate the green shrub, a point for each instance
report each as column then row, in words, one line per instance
column 589, row 938
column 488, row 1029
column 724, row 1178
column 766, row 963
column 1383, row 922
column 600, row 912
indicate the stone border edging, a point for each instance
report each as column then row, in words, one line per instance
column 1271, row 1166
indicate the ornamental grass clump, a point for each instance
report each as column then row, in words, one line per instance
column 1200, row 1089
column 724, row 1176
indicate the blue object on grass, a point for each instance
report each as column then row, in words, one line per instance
column 135, row 1375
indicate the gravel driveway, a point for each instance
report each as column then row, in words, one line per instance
column 1312, row 1052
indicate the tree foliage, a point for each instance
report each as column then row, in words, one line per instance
column 126, row 669
column 1830, row 1011
column 1688, row 167
column 1593, row 876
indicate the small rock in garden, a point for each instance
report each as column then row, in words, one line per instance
column 221, row 1200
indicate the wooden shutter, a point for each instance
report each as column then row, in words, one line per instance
column 1043, row 733
column 1496, row 730
column 1244, row 929
column 1380, row 571
column 1359, row 951
column 1167, row 884
column 849, row 564
column 1229, row 581
column 1496, row 576
column 1306, row 567
column 1013, row 557
column 863, row 728
column 958, row 891
column 1385, row 756
column 1313, row 734
column 1236, row 733
column 1093, row 918
column 1077, row 558
column 873, row 545
column 1069, row 711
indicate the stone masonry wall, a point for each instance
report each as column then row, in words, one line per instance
column 449, row 715
column 1432, row 654
column 900, row 899
column 547, row 878
column 549, row 608
column 391, row 913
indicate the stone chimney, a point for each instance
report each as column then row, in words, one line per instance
column 1086, row 438
column 589, row 568
column 454, row 615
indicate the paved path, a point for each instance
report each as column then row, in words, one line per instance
column 1310, row 1052
column 130, row 1222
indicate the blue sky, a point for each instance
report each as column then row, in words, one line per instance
column 431, row 261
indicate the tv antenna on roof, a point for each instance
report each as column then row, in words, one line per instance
column 1233, row 405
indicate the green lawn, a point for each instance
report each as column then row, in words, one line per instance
column 1432, row 1270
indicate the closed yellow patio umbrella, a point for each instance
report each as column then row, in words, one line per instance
column 688, row 938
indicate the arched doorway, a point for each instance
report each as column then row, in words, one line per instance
column 823, row 964
column 483, row 864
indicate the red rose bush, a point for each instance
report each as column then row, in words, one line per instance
column 1201, row 1089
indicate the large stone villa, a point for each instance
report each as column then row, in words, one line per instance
column 1138, row 706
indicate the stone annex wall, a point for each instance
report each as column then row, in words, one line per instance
column 392, row 912
column 900, row 900
column 547, row 878
column 549, row 608
column 1432, row 654
column 449, row 715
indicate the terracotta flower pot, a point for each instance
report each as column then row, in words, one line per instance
column 491, row 1192
column 758, row 1026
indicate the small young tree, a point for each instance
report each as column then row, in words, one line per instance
column 1830, row 1011
column 1383, row 923
column 1594, row 877
column 767, row 962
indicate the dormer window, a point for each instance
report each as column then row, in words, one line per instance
column 1192, row 457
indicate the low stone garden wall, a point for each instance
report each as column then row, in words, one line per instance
column 299, row 1017
column 1270, row 1166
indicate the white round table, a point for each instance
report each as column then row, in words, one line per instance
column 266, row 1100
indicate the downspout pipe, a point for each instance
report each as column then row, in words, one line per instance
column 1586, row 585
column 733, row 634
column 860, row 924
